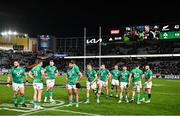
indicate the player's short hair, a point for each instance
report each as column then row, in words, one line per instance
column 51, row 61
column 38, row 61
column 124, row 66
column 103, row 64
column 89, row 64
column 137, row 65
column 16, row 60
column 72, row 62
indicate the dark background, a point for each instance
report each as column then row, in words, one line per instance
column 67, row 18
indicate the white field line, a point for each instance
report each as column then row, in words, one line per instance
column 172, row 94
column 90, row 114
column 11, row 106
column 37, row 111
column 17, row 110
column 176, row 81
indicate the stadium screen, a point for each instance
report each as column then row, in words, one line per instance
column 145, row 32
column 45, row 42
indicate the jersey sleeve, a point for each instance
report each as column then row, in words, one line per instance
column 111, row 71
column 107, row 71
column 46, row 68
column 128, row 73
column 24, row 72
column 10, row 71
column 150, row 73
column 94, row 72
column 76, row 69
column 131, row 72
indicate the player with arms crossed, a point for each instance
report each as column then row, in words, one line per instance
column 103, row 75
column 124, row 83
column 37, row 74
column 73, row 77
column 136, row 75
column 91, row 81
column 51, row 73
column 115, row 80
column 17, row 74
column 147, row 85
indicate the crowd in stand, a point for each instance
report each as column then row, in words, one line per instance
column 164, row 65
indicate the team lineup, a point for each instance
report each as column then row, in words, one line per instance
column 96, row 80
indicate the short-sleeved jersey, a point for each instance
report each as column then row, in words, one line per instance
column 90, row 75
column 50, row 71
column 115, row 74
column 136, row 74
column 148, row 74
column 36, row 71
column 103, row 74
column 72, row 75
column 17, row 74
column 124, row 76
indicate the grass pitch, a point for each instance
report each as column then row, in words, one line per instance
column 165, row 101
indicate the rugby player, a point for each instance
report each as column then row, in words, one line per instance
column 37, row 74
column 103, row 75
column 115, row 80
column 147, row 85
column 124, row 83
column 136, row 75
column 73, row 77
column 17, row 73
column 51, row 73
column 91, row 81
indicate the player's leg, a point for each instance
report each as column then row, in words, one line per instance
column 149, row 85
column 112, row 87
column 106, row 89
column 47, row 91
column 149, row 95
column 22, row 96
column 120, row 93
column 144, row 94
column 94, row 88
column 39, row 93
column 133, row 92
column 76, row 95
column 51, row 87
column 87, row 92
column 70, row 95
column 35, row 98
column 116, row 90
column 127, row 94
column 15, row 98
column 15, row 94
column 87, row 95
column 51, row 94
column 117, row 86
column 99, row 92
column 138, row 92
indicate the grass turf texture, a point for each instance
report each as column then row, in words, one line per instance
column 165, row 101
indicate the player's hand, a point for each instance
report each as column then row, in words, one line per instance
column 66, row 86
column 145, row 83
column 8, row 85
column 26, row 83
column 77, row 81
column 128, row 84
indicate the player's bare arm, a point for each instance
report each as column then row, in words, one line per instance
column 80, row 77
column 31, row 75
column 9, row 79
